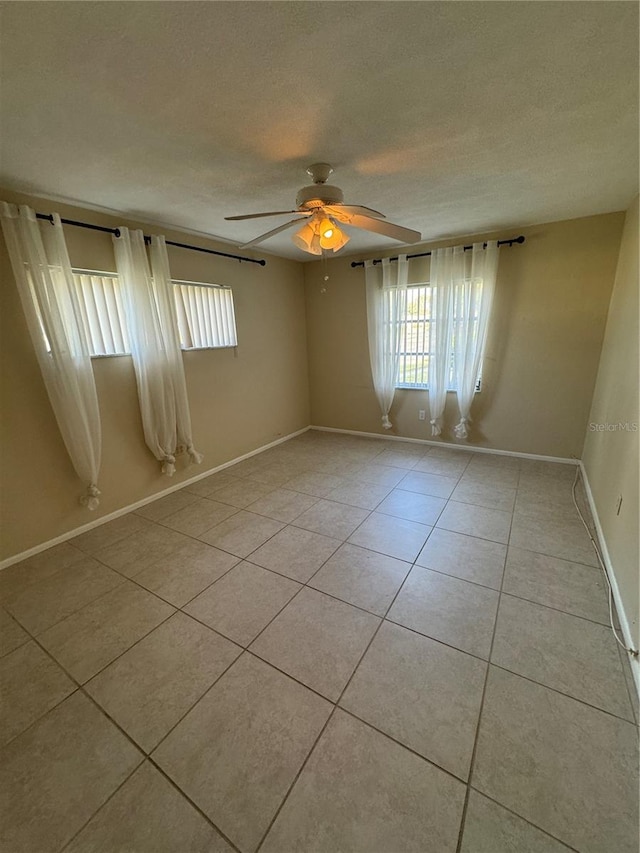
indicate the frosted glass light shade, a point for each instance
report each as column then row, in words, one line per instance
column 318, row 234
column 304, row 239
column 336, row 241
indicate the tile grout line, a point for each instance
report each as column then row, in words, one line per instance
column 526, row 820
column 457, row 577
column 148, row 756
column 435, row 639
column 518, row 675
column 560, row 692
column 465, row 805
column 297, row 592
column 404, row 746
column 65, row 846
column 245, row 649
column 175, row 552
column 193, row 803
column 555, row 609
column 73, row 612
column 190, row 708
column 80, row 685
column 335, row 707
column 80, row 688
column 633, row 696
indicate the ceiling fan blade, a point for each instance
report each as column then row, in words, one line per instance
column 270, row 234
column 388, row 229
column 356, row 209
column 271, row 213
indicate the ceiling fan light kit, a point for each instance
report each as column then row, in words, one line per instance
column 307, row 240
column 322, row 204
column 318, row 233
column 331, row 237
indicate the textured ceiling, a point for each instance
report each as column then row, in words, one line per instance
column 451, row 118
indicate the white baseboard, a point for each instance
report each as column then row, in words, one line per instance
column 615, row 589
column 16, row 558
column 561, row 459
column 76, row 531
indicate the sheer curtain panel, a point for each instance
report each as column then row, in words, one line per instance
column 386, row 309
column 472, row 310
column 153, row 337
column 447, row 267
column 165, row 300
column 49, row 299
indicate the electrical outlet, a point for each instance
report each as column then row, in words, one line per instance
column 618, row 504
column 422, row 415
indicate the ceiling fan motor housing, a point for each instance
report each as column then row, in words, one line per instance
column 318, row 195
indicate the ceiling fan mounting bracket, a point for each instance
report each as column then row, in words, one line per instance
column 319, row 172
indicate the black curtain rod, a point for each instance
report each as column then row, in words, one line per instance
column 510, row 242
column 147, row 239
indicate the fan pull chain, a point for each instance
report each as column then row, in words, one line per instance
column 325, row 274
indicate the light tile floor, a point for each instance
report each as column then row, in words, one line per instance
column 338, row 645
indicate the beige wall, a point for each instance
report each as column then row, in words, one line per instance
column 611, row 458
column 239, row 400
column 542, row 355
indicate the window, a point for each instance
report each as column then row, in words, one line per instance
column 416, row 340
column 102, row 311
column 205, row 312
column 206, row 317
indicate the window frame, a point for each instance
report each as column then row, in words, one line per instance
column 420, row 386
column 224, row 287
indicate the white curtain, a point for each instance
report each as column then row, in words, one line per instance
column 155, row 349
column 447, row 267
column 163, row 288
column 47, row 291
column 472, row 310
column 386, row 309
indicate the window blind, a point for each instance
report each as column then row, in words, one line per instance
column 205, row 312
column 206, row 316
column 102, row 311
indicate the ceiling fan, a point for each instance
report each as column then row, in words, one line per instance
column 320, row 207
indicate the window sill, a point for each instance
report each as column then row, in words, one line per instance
column 110, row 355
column 420, row 388
column 426, row 388
column 199, row 349
column 182, row 349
